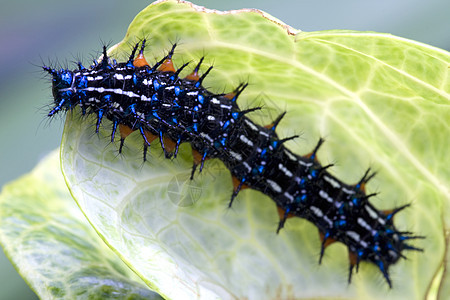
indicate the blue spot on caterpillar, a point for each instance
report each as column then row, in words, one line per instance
column 159, row 104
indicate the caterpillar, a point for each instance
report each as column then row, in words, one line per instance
column 161, row 105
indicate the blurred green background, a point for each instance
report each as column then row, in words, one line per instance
column 32, row 32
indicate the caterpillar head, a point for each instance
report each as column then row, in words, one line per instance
column 62, row 90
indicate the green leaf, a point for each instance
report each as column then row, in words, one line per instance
column 379, row 100
column 52, row 245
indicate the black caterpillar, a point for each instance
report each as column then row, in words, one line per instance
column 161, row 105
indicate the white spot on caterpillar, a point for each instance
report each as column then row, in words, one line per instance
column 371, row 212
column 206, row 137
column 331, row 181
column 192, row 93
column 215, row 101
column 305, row 163
column 395, row 237
column 325, row 196
column 92, row 89
column 285, row 170
column 246, row 140
column 118, row 76
column 364, row 224
column 236, row 155
column 274, row 186
column 129, row 94
column 251, row 125
column 317, row 211
column 353, row 235
column 350, row 192
column 225, row 106
column 211, row 118
column 247, row 166
column 115, row 91
column 393, row 254
column 289, row 196
column 328, row 221
column 290, row 155
column 145, row 98
column 337, row 204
